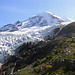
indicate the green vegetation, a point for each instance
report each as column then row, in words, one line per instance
column 59, row 61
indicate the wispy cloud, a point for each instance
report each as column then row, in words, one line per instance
column 13, row 9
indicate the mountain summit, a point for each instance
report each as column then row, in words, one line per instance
column 41, row 19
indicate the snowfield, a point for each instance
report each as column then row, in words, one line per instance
column 33, row 29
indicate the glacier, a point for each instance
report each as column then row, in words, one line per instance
column 34, row 28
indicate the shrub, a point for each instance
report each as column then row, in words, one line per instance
column 73, row 44
column 50, row 56
column 49, row 66
column 37, row 63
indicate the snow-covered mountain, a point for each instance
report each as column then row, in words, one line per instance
column 34, row 28
column 41, row 19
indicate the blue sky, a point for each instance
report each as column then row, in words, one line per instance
column 14, row 10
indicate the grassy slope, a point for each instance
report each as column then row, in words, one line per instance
column 57, row 62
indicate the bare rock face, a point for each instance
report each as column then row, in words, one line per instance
column 69, row 29
column 7, row 69
column 8, row 27
column 56, row 31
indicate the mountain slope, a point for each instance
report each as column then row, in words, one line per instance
column 54, row 56
column 59, row 59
